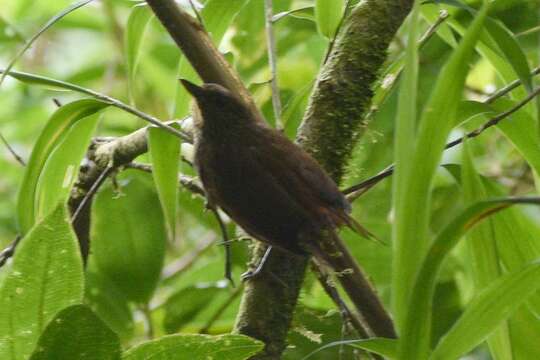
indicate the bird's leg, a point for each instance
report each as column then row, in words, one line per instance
column 226, row 243
column 250, row 274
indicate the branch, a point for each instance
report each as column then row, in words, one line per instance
column 199, row 49
column 271, row 45
column 17, row 157
column 355, row 191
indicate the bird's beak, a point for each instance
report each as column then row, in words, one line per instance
column 193, row 89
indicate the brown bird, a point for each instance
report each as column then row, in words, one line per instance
column 267, row 184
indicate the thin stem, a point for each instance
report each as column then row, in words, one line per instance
column 93, row 190
column 357, row 190
column 272, row 60
column 443, row 15
column 22, row 76
column 17, row 157
column 219, row 312
column 181, row 265
column 340, row 25
column 148, row 323
column 505, row 90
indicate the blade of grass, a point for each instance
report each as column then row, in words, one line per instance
column 411, row 227
column 416, row 334
column 482, row 253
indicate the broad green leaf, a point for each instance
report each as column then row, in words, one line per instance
column 199, row 347
column 62, row 167
column 128, row 236
column 184, row 305
column 217, row 16
column 482, row 252
column 53, row 134
column 411, row 234
column 47, row 25
column 108, row 302
column 382, row 346
column 135, row 28
column 487, row 311
column 328, row 14
column 165, row 156
column 46, row 276
column 416, row 332
column 77, row 333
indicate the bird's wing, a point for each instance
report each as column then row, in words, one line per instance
column 305, row 178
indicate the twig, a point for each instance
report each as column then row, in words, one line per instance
column 179, row 266
column 93, row 190
column 9, row 251
column 197, row 13
column 331, row 291
column 190, row 183
column 340, row 24
column 272, row 60
column 17, row 157
column 105, row 98
column 443, row 15
column 357, row 190
column 505, row 90
column 219, row 311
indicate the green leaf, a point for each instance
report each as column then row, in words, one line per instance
column 62, row 167
column 46, row 276
column 199, row 347
column 164, row 151
column 184, row 305
column 487, row 311
column 217, row 16
column 382, row 346
column 511, row 50
column 128, row 237
column 415, row 336
column 77, row 333
column 135, row 28
column 53, row 134
column 328, row 14
column 483, row 253
column 411, row 232
column 108, row 302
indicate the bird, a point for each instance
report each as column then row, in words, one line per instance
column 267, row 184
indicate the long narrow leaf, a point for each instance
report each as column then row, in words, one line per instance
column 411, row 237
column 483, row 255
column 417, row 330
column 404, row 149
column 165, row 155
column 491, row 307
column 135, row 28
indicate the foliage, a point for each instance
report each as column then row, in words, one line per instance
column 462, row 274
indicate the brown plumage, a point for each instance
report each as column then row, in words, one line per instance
column 268, row 185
